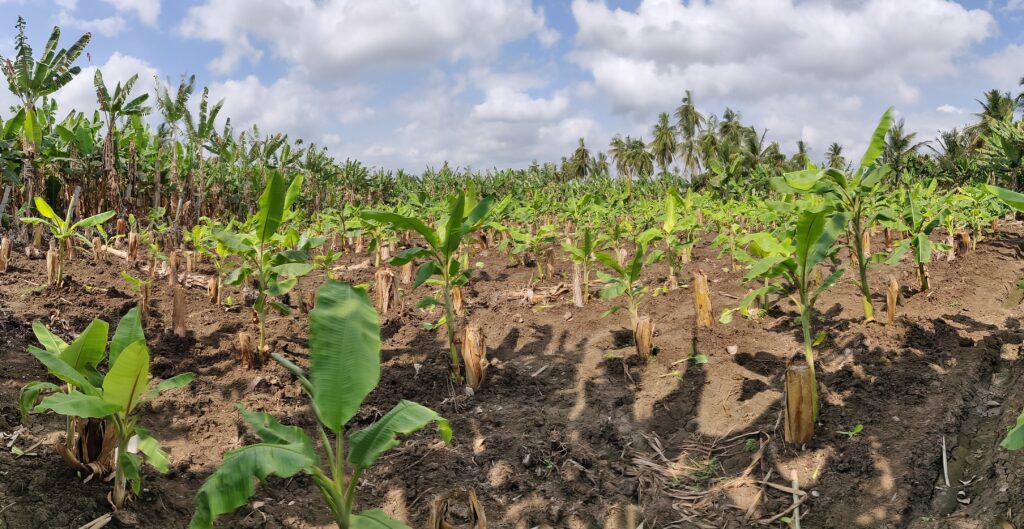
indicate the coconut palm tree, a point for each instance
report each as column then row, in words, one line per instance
column 619, row 151
column 996, row 106
column 599, row 165
column 689, row 123
column 899, row 149
column 641, row 160
column 581, row 161
column 29, row 80
column 115, row 106
column 801, row 156
column 952, row 153
column 834, row 156
column 731, row 128
column 664, row 144
column 1020, row 96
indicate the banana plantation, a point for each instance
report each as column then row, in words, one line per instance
column 203, row 326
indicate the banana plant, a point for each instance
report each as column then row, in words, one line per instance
column 116, row 397
column 442, row 254
column 789, row 265
column 205, row 243
column 626, row 281
column 856, row 193
column 62, row 229
column 582, row 253
column 344, row 358
column 676, row 230
column 537, row 243
column 920, row 218
column 274, row 269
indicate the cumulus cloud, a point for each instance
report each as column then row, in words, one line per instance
column 443, row 121
column 339, row 38
column 147, row 10
column 950, row 109
column 109, row 26
column 1004, row 67
column 747, row 50
column 80, row 94
column 291, row 106
column 506, row 104
column 812, row 71
column 106, row 26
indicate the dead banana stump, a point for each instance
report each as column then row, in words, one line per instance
column 5, row 254
column 643, row 337
column 799, row 412
column 702, row 299
column 474, row 356
column 178, row 312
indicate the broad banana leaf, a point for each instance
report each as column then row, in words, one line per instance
column 405, row 418
column 344, row 344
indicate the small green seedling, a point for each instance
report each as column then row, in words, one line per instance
column 852, row 433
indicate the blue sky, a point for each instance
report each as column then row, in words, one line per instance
column 494, row 83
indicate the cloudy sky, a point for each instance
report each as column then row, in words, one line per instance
column 494, row 83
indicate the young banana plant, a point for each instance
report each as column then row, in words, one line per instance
column 789, row 264
column 856, row 193
column 920, row 218
column 116, row 398
column 344, row 358
column 62, row 229
column 264, row 258
column 626, row 281
column 442, row 255
column 582, row 253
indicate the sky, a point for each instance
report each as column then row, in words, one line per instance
column 500, row 83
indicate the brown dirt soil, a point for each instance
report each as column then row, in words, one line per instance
column 571, row 429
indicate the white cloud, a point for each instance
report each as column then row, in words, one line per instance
column 290, row 106
column 950, row 109
column 744, row 50
column 439, row 123
column 340, row 38
column 506, row 104
column 1004, row 67
column 80, row 94
column 1014, row 5
column 812, row 71
column 147, row 10
column 106, row 26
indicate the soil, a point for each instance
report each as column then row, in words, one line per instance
column 571, row 429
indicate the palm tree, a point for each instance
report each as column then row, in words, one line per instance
column 641, row 160
column 689, row 122
column 599, row 165
column 899, row 149
column 29, row 80
column 801, row 157
column 581, row 161
column 834, row 156
column 664, row 144
column 114, row 107
column 952, row 153
column 995, row 106
column 619, row 150
column 174, row 109
column 731, row 128
column 1020, row 96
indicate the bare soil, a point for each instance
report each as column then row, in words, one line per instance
column 571, row 429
